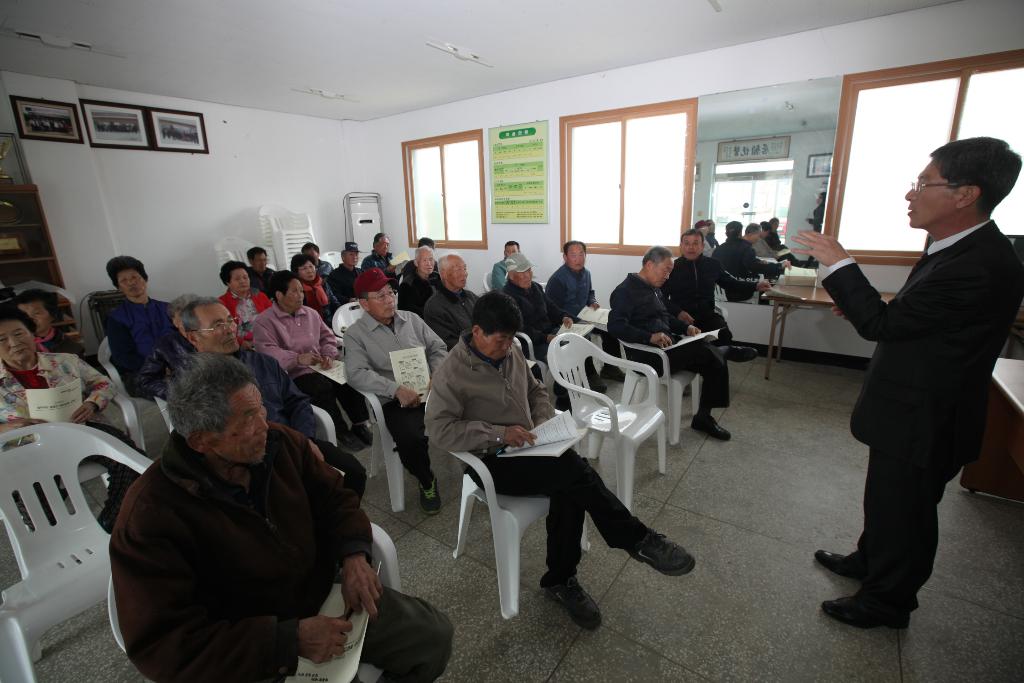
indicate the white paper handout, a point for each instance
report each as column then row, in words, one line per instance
column 686, row 340
column 341, row 669
column 56, row 404
column 597, row 316
column 805, row 277
column 337, row 371
column 399, row 260
column 411, row 369
column 554, row 437
column 581, row 329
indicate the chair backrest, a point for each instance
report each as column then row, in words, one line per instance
column 232, row 249
column 332, row 257
column 38, row 465
column 567, row 356
column 345, row 316
column 46, row 287
column 103, row 356
column 284, row 232
column 487, row 282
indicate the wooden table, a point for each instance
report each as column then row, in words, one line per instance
column 786, row 298
column 1000, row 469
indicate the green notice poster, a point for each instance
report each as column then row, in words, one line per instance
column 519, row 173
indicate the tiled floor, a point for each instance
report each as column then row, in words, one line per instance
column 752, row 510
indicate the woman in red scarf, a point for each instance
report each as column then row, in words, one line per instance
column 318, row 297
column 243, row 301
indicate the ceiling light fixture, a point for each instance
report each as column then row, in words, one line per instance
column 56, row 42
column 461, row 53
column 715, row 5
column 326, row 94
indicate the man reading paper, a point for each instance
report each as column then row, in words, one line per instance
column 369, row 342
column 485, row 399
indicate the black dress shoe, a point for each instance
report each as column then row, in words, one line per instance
column 850, row 611
column 740, row 354
column 839, row 564
column 708, row 425
column 363, row 434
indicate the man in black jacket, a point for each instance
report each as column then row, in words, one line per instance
column 639, row 316
column 690, row 293
column 738, row 258
column 922, row 408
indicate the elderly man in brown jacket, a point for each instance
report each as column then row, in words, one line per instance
column 227, row 546
column 483, row 399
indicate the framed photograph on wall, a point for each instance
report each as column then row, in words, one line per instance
column 178, row 131
column 12, row 165
column 46, row 120
column 115, row 125
column 819, row 165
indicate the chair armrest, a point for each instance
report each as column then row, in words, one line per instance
column 325, row 428
column 384, row 550
column 525, row 339
column 481, row 469
column 646, row 370
column 164, row 412
column 665, row 371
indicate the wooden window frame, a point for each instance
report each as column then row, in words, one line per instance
column 440, row 141
column 853, row 84
column 566, row 124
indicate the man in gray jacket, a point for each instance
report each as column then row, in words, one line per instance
column 484, row 399
column 449, row 310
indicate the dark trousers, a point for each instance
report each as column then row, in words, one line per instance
column 406, row 427
column 327, row 394
column 355, row 473
column 575, row 489
column 706, row 360
column 896, row 550
column 711, row 320
column 609, row 343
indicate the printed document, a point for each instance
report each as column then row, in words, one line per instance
column 598, row 316
column 343, row 668
column 56, row 404
column 554, row 437
column 581, row 329
column 411, row 369
column 686, row 340
column 337, row 371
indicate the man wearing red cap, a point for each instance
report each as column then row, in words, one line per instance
column 368, row 345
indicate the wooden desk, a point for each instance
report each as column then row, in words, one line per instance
column 786, row 298
column 1000, row 469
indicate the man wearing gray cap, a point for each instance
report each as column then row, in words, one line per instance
column 344, row 276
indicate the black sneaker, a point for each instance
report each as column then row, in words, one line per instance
column 350, row 442
column 430, row 500
column 581, row 607
column 363, row 434
column 740, row 354
column 613, row 373
column 667, row 557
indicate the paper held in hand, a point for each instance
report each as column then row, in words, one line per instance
column 341, row 669
column 411, row 369
column 56, row 404
column 581, row 329
column 713, row 334
column 597, row 316
column 554, row 437
column 337, row 372
column 399, row 260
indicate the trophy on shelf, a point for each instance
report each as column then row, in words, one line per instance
column 5, row 146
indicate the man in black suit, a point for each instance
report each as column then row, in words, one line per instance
column 922, row 408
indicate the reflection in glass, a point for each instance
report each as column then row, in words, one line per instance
column 426, row 183
column 462, row 190
column 993, row 109
column 596, row 168
column 895, row 130
column 655, row 168
column 753, row 192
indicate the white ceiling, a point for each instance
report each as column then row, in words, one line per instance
column 252, row 53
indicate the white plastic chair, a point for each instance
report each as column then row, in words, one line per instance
column 627, row 424
column 332, row 257
column 383, row 550
column 232, row 249
column 525, row 344
column 487, row 282
column 284, row 231
column 345, row 316
column 64, row 565
column 670, row 395
column 123, row 400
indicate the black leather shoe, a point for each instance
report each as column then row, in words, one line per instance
column 838, row 564
column 710, row 427
column 363, row 434
column 740, row 354
column 850, row 611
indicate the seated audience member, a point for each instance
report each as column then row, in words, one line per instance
column 701, row 227
column 449, row 311
column 23, row 367
column 761, row 247
column 323, row 268
column 369, row 342
column 414, row 290
column 297, row 338
column 260, row 274
column 315, row 293
column 41, row 306
column 381, row 255
column 341, row 278
column 170, row 352
column 639, row 316
column 135, row 325
column 781, row 251
column 484, row 399
column 709, row 235
column 211, row 329
column 243, row 301
column 410, row 267
column 690, row 293
column 737, row 255
column 499, row 273
column 227, row 550
column 571, row 289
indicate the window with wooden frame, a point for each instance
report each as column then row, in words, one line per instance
column 627, row 176
column 444, row 190
column 889, row 123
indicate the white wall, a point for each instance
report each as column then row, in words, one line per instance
column 168, row 209
column 947, row 31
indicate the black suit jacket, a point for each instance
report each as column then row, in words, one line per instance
column 926, row 391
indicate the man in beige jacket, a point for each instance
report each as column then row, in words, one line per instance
column 484, row 399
